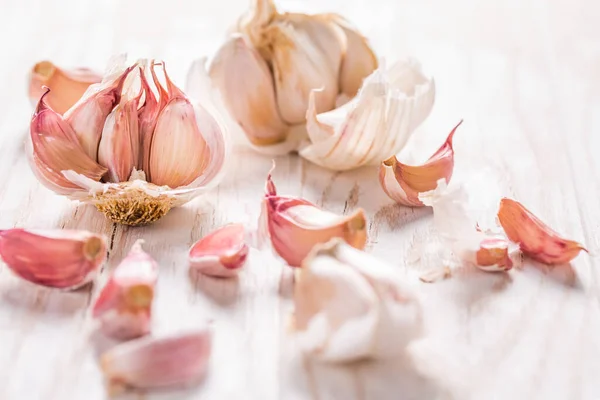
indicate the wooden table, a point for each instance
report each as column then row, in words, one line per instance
column 524, row 75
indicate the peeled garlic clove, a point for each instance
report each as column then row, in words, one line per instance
column 67, row 85
column 152, row 363
column 295, row 226
column 88, row 115
column 376, row 124
column 349, row 305
column 221, row 253
column 124, row 306
column 535, row 238
column 65, row 259
column 245, row 83
column 403, row 183
column 55, row 149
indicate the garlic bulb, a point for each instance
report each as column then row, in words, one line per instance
column 132, row 146
column 267, row 70
column 350, row 305
column 67, row 85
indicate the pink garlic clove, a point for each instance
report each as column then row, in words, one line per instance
column 124, row 306
column 152, row 363
column 221, row 253
column 64, row 259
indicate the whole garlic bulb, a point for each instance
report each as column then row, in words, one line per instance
column 266, row 72
column 132, row 145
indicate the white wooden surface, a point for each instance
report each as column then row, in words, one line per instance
column 524, row 74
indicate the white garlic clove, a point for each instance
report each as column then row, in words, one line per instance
column 64, row 259
column 221, row 253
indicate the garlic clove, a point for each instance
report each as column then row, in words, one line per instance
column 65, row 259
column 158, row 362
column 376, row 124
column 493, row 254
column 67, row 85
column 55, row 149
column 124, row 305
column 403, row 183
column 221, row 253
column 295, row 225
column 348, row 305
column 535, row 238
column 88, row 115
column 246, row 86
column 177, row 137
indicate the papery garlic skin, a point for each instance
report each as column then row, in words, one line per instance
column 178, row 360
column 349, row 305
column 222, row 253
column 535, row 238
column 294, row 226
column 67, row 85
column 373, row 126
column 124, row 305
column 403, row 183
column 64, row 259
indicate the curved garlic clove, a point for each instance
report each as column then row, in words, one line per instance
column 67, row 85
column 221, row 253
column 55, row 149
column 349, row 305
column 295, row 225
column 64, row 259
column 535, row 238
column 403, row 183
column 157, row 362
column 124, row 305
column 88, row 115
column 374, row 125
column 245, row 83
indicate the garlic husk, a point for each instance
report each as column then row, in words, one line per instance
column 374, row 125
column 349, row 305
column 294, row 226
column 64, row 259
column 221, row 253
column 535, row 238
column 124, row 305
column 67, row 85
column 178, row 360
column 453, row 219
column 403, row 183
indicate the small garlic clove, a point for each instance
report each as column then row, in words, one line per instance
column 246, row 86
column 294, row 226
column 64, row 259
column 124, row 305
column 349, row 305
column 153, row 363
column 55, row 149
column 67, row 85
column 177, row 137
column 221, row 253
column 493, row 254
column 403, row 183
column 88, row 115
column 535, row 238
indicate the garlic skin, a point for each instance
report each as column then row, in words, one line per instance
column 403, row 183
column 535, row 238
column 67, row 85
column 374, row 125
column 267, row 69
column 95, row 152
column 294, row 226
column 452, row 218
column 349, row 305
column 124, row 305
column 63, row 259
column 179, row 360
column 222, row 253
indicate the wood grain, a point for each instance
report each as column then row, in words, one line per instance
column 524, row 75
